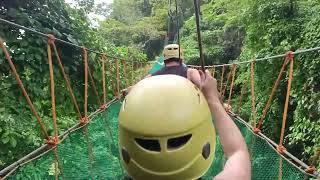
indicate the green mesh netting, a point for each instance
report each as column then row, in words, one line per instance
column 101, row 135
column 75, row 162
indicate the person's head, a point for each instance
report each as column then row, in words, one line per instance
column 172, row 53
column 166, row 130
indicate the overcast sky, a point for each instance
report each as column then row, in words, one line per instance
column 94, row 17
column 96, row 1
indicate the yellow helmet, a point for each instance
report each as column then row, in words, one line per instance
column 172, row 51
column 166, row 130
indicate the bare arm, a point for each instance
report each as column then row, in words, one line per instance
column 238, row 165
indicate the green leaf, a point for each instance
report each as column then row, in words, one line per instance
column 24, row 43
column 37, row 56
column 5, row 140
column 13, row 13
column 13, row 142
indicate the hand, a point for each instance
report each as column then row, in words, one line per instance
column 124, row 92
column 209, row 86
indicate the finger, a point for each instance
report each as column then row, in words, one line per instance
column 201, row 72
column 202, row 75
column 208, row 73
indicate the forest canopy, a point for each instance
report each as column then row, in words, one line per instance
column 232, row 31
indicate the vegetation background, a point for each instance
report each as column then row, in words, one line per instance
column 136, row 30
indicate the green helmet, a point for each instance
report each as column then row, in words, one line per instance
column 166, row 130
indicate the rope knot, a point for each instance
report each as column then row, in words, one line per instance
column 103, row 107
column 254, row 61
column 227, row 107
column 281, row 149
column 84, row 50
column 310, row 169
column 104, row 57
column 256, row 130
column 51, row 38
column 289, row 55
column 53, row 141
column 84, row 121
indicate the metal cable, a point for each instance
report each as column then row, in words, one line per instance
column 58, row 40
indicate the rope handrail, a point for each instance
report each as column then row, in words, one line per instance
column 60, row 40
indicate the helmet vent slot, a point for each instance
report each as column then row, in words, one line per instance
column 149, row 144
column 178, row 142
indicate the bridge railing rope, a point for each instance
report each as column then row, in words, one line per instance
column 256, row 126
column 106, row 70
column 84, row 118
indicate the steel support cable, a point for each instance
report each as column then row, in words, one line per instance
column 197, row 11
column 262, row 59
column 57, row 39
column 24, row 92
